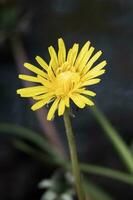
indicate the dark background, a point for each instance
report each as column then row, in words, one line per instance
column 108, row 25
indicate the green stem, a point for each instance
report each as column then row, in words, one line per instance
column 114, row 137
column 74, row 156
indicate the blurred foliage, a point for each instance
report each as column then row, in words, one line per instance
column 88, row 19
column 60, row 187
column 39, row 145
column 118, row 143
column 14, row 19
column 8, row 17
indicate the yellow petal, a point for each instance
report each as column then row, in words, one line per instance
column 44, row 81
column 51, row 74
column 82, row 53
column 85, row 59
column 44, row 96
column 91, row 61
column 61, row 107
column 98, row 73
column 35, row 69
column 99, row 66
column 91, row 75
column 54, row 60
column 53, row 109
column 91, row 82
column 72, row 54
column 41, row 62
column 31, row 94
column 39, row 104
column 78, row 101
column 31, row 91
column 61, row 52
column 87, row 92
column 28, row 78
column 67, row 103
column 65, row 66
column 94, row 70
column 86, row 100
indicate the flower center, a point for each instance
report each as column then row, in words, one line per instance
column 65, row 82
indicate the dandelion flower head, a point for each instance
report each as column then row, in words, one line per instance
column 66, row 78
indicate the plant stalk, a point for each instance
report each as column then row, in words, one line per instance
column 73, row 155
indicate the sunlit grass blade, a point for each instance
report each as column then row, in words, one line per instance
column 107, row 172
column 117, row 141
column 95, row 192
column 85, row 168
column 44, row 146
column 31, row 151
column 102, row 171
column 27, row 134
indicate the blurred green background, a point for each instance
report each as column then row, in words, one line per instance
column 27, row 28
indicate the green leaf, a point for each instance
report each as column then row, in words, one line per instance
column 95, row 192
column 29, row 135
column 118, row 143
column 31, row 151
column 44, row 145
column 106, row 172
column 66, row 197
column 49, row 195
column 47, row 183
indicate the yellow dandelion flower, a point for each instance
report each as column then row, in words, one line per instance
column 64, row 79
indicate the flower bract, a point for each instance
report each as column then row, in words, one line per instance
column 66, row 78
